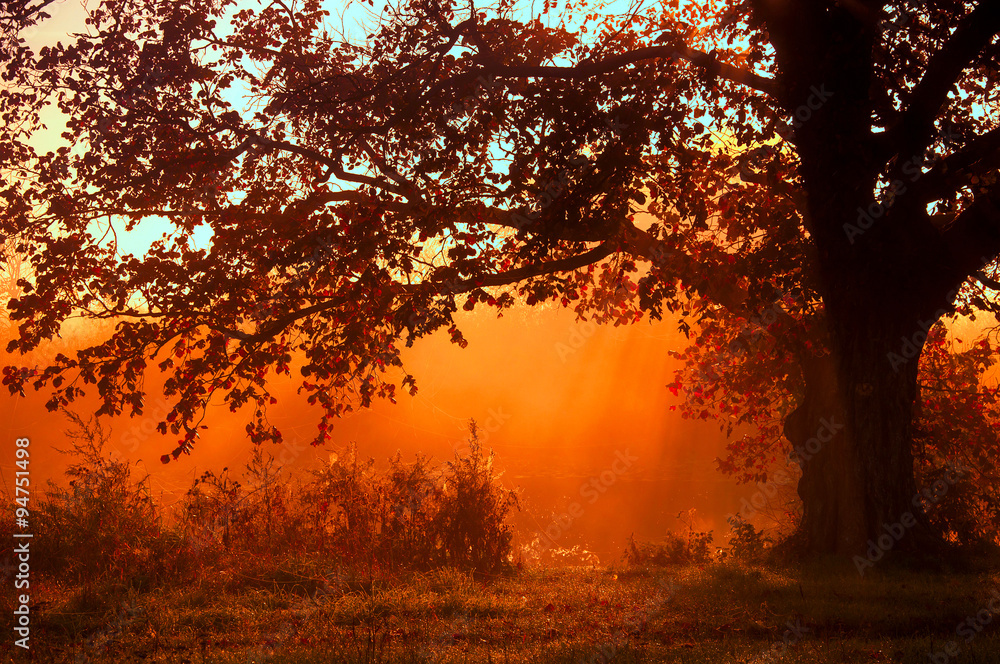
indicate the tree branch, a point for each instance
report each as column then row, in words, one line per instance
column 332, row 163
column 446, row 288
column 411, row 192
column 987, row 281
column 952, row 172
column 971, row 240
column 611, row 63
column 22, row 12
column 913, row 131
column 518, row 274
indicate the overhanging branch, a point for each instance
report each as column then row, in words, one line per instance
column 452, row 288
column 538, row 269
column 593, row 68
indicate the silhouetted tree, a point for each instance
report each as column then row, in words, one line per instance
column 840, row 157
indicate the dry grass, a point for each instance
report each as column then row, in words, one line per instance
column 714, row 613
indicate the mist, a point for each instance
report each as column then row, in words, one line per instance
column 577, row 414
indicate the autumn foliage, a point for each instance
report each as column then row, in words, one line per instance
column 329, row 197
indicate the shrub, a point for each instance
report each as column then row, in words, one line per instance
column 222, row 514
column 103, row 525
column 344, row 514
column 106, row 526
column 746, row 543
column 411, row 516
column 470, row 521
column 674, row 549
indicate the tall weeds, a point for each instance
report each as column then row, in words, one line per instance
column 412, row 516
column 105, row 525
column 346, row 516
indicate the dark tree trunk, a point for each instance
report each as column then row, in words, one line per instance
column 859, row 489
column 830, row 487
column 886, row 273
column 852, row 434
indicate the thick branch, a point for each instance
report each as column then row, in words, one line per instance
column 519, row 274
column 987, row 281
column 972, row 240
column 721, row 289
column 451, row 288
column 952, row 173
column 912, row 133
column 614, row 62
column 641, row 244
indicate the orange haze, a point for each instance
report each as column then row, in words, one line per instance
column 560, row 402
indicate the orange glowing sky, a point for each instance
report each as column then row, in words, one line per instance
column 557, row 419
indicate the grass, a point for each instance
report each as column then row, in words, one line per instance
column 719, row 612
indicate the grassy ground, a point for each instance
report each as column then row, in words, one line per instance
column 712, row 613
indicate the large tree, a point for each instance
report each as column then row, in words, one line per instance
column 830, row 164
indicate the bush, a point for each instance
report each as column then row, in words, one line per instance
column 469, row 525
column 221, row 514
column 675, row 549
column 746, row 543
column 103, row 525
column 411, row 517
